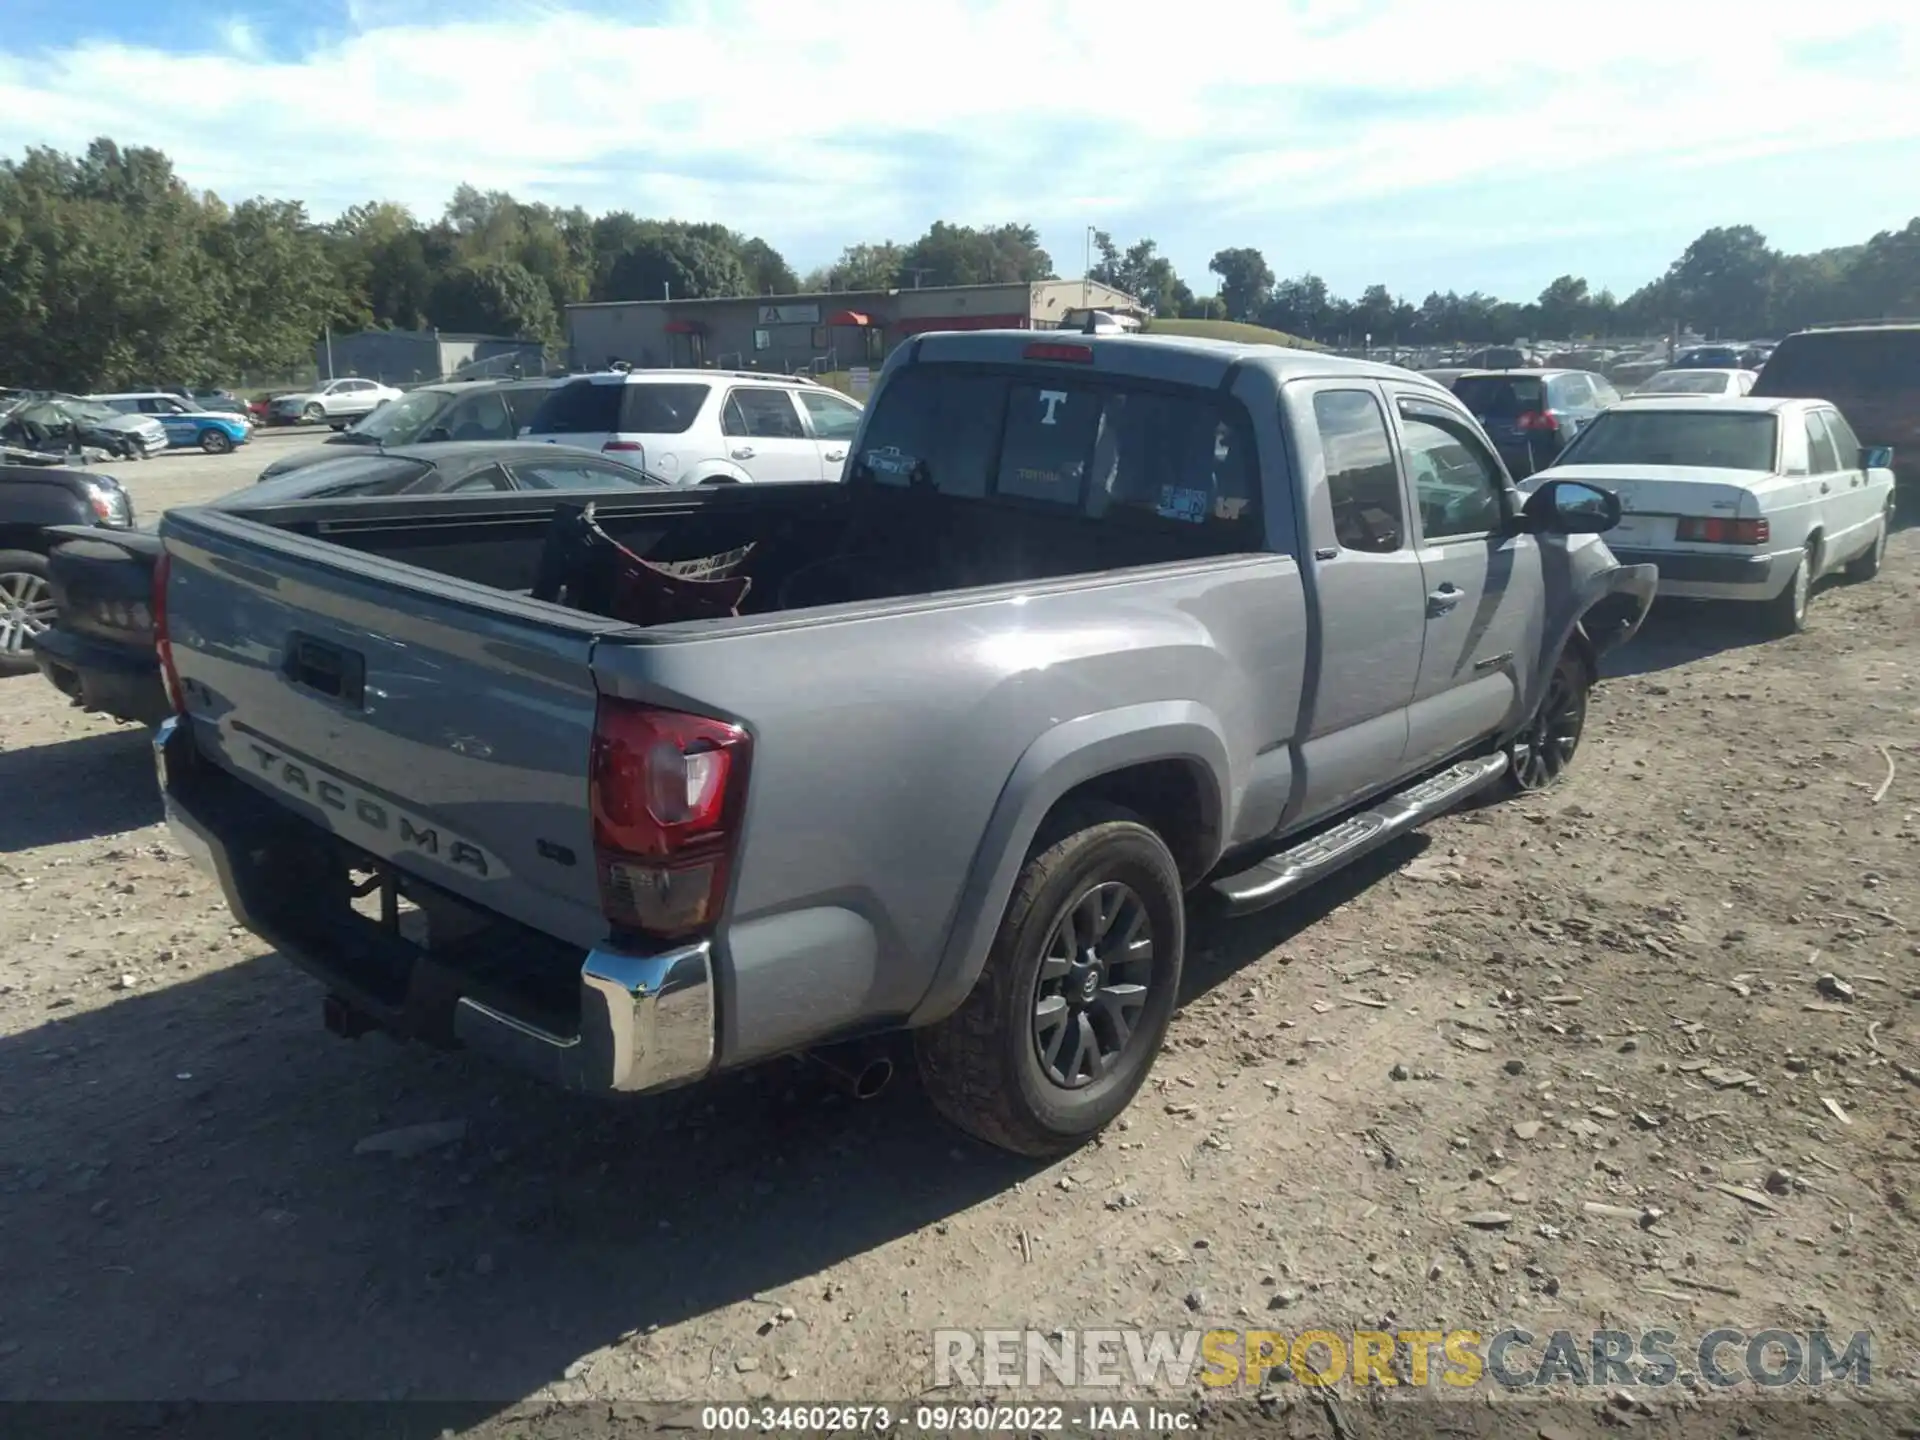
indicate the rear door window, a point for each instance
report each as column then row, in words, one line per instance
column 523, row 403
column 1570, row 392
column 762, row 415
column 1822, row 457
column 832, row 417
column 588, row 406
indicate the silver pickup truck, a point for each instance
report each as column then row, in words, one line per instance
column 1093, row 623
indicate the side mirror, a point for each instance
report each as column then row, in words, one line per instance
column 1876, row 457
column 1571, row 507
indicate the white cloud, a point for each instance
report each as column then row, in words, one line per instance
column 819, row 123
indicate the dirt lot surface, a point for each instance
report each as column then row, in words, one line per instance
column 1567, row 1062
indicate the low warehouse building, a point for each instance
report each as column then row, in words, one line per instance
column 406, row 357
column 841, row 330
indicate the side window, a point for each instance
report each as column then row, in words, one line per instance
column 1603, row 393
column 1362, row 483
column 1845, row 442
column 1823, row 459
column 578, row 474
column 832, row 417
column 484, row 417
column 1793, row 447
column 148, row 405
column 491, row 478
column 762, row 415
column 1457, row 484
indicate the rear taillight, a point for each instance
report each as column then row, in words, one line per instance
column 1722, row 532
column 666, row 790
column 162, row 646
column 1539, row 420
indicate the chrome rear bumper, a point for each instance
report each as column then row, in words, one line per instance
column 647, row 1021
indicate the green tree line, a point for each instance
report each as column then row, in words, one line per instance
column 114, row 272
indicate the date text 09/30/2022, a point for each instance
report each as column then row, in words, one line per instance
column 947, row 1419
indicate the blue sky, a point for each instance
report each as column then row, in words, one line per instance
column 1422, row 144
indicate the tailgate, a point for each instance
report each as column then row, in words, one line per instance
column 436, row 724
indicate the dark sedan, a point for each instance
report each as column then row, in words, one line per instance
column 99, row 651
column 1532, row 415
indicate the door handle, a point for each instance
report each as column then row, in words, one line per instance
column 1824, row 487
column 1440, row 601
column 745, row 452
column 836, row 454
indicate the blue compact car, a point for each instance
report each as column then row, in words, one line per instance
column 214, row 431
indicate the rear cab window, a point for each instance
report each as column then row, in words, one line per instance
column 1107, row 447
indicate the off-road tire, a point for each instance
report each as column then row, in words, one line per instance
column 980, row 1066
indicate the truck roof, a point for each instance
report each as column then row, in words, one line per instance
column 1207, row 359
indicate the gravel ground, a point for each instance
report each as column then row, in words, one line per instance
column 188, row 477
column 1598, row 1021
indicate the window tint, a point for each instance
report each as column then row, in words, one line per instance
column 1048, row 443
column 1456, row 483
column 1822, row 458
column 1500, row 397
column 573, row 473
column 762, row 415
column 832, row 417
column 1728, row 440
column 1155, row 458
column 1362, row 482
column 942, row 423
column 661, row 409
column 582, row 405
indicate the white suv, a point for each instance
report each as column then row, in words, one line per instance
column 705, row 427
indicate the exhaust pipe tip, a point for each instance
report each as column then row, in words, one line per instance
column 877, row 1076
column 861, row 1072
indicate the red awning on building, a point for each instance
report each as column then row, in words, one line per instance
column 920, row 324
column 685, row 327
column 849, row 317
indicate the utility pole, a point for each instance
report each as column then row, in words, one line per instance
column 1086, row 275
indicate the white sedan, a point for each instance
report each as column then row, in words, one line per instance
column 338, row 402
column 1698, row 382
column 1737, row 498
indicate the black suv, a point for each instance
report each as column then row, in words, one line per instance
column 1871, row 372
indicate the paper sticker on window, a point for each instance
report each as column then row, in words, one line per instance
column 1182, row 503
column 890, row 461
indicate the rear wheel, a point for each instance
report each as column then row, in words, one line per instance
column 215, row 442
column 1786, row 613
column 1064, row 1023
column 26, row 608
column 1867, row 565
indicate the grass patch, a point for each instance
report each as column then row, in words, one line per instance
column 1236, row 330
